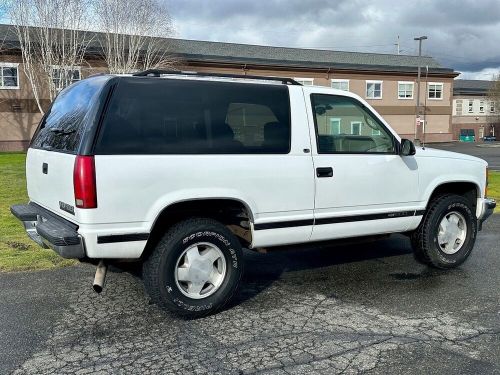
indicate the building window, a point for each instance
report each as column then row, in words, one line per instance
column 471, row 106
column 374, row 89
column 340, row 84
column 481, row 106
column 405, row 90
column 458, row 108
column 9, row 76
column 375, row 131
column 492, row 107
column 356, row 127
column 435, row 91
column 334, row 126
column 305, row 81
column 64, row 76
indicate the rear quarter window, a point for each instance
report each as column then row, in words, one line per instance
column 177, row 116
column 62, row 127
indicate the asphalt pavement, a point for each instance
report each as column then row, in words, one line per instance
column 489, row 151
column 318, row 310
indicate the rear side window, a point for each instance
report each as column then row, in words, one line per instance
column 176, row 116
column 63, row 125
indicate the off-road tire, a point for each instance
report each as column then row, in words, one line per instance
column 159, row 267
column 424, row 240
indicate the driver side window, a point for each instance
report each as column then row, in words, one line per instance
column 344, row 125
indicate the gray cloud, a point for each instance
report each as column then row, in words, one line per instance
column 464, row 35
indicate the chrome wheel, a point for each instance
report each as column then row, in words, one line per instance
column 452, row 232
column 200, row 270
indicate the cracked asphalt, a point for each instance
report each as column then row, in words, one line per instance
column 324, row 309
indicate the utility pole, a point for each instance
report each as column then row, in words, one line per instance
column 425, row 104
column 420, row 39
column 397, row 46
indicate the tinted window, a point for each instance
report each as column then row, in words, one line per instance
column 344, row 125
column 63, row 125
column 176, row 116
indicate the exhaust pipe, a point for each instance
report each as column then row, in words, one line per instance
column 100, row 276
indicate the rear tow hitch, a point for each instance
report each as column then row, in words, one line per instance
column 100, row 276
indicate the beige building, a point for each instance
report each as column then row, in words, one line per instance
column 387, row 82
column 473, row 111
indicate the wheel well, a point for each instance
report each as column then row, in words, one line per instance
column 230, row 212
column 468, row 190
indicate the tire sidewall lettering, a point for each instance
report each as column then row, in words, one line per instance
column 217, row 236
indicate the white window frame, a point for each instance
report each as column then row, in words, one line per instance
column 376, row 132
column 459, row 102
column 381, row 90
column 338, row 121
column 492, row 107
column 481, row 106
column 75, row 68
column 470, row 106
column 340, row 81
column 429, row 90
column 9, row 65
column 300, row 80
column 412, row 89
column 356, row 123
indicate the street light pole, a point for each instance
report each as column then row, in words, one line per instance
column 420, row 39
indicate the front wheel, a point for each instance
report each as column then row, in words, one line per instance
column 446, row 236
column 195, row 269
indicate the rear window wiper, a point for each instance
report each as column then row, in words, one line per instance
column 61, row 131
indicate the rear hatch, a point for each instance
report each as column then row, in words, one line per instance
column 56, row 143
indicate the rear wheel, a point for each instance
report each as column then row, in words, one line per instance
column 195, row 269
column 446, row 236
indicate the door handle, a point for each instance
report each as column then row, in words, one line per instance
column 324, row 172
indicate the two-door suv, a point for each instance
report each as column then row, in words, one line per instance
column 180, row 170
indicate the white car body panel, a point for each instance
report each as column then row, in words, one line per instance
column 132, row 190
column 56, row 186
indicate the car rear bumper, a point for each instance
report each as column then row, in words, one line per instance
column 488, row 208
column 50, row 230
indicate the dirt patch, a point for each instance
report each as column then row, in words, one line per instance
column 18, row 245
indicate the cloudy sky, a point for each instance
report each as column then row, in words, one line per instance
column 463, row 34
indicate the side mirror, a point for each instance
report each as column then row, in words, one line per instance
column 407, row 148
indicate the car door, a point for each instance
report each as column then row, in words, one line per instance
column 362, row 185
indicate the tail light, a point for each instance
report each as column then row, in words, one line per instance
column 84, row 182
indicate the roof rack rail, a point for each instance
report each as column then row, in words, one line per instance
column 159, row 72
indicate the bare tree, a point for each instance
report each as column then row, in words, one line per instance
column 52, row 41
column 494, row 97
column 132, row 34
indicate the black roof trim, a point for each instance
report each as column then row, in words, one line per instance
column 160, row 72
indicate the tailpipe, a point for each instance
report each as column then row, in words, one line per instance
column 100, row 276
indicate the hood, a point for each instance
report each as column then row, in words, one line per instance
column 435, row 153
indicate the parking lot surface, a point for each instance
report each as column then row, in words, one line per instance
column 489, row 151
column 345, row 309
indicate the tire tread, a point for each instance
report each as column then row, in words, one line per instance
column 420, row 237
column 152, row 264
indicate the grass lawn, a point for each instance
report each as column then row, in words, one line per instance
column 17, row 251
column 494, row 188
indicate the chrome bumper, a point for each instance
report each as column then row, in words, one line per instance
column 488, row 208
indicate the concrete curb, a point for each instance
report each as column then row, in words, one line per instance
column 495, row 145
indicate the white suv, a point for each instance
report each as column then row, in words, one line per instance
column 181, row 170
